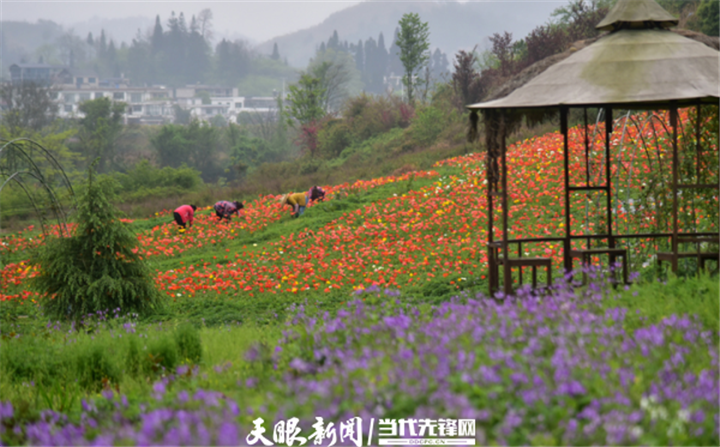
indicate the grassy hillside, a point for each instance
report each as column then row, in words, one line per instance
column 371, row 304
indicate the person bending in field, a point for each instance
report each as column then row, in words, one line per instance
column 185, row 214
column 225, row 209
column 298, row 202
column 315, row 194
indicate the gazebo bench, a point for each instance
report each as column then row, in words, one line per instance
column 701, row 257
column 530, row 262
column 585, row 256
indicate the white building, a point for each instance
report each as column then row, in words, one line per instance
column 146, row 105
column 228, row 107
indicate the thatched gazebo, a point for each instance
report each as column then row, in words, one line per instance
column 638, row 65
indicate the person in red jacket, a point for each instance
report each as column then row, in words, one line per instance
column 184, row 215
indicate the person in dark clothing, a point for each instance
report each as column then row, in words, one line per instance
column 225, row 209
column 184, row 214
column 315, row 194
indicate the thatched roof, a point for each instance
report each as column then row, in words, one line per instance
column 629, row 67
column 625, row 67
column 538, row 67
column 636, row 14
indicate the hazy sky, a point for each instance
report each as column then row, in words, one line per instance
column 258, row 20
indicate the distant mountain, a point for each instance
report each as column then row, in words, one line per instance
column 19, row 40
column 453, row 25
column 23, row 41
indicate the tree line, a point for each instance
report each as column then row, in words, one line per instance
column 374, row 61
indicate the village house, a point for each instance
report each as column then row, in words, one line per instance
column 146, row 105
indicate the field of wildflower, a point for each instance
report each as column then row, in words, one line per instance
column 372, row 305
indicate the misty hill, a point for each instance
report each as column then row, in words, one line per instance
column 453, row 25
column 19, row 40
column 27, row 42
column 24, row 41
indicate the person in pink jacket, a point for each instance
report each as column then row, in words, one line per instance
column 185, row 214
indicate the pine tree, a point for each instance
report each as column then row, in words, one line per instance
column 359, row 57
column 96, row 268
column 275, row 54
column 157, row 36
column 102, row 45
column 383, row 57
column 181, row 24
column 111, row 52
column 334, row 41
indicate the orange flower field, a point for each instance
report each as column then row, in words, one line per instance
column 432, row 233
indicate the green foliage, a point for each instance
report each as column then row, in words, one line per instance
column 189, row 344
column 196, row 145
column 100, row 128
column 334, row 137
column 97, row 268
column 218, row 121
column 307, row 99
column 133, row 361
column 161, row 355
column 414, row 49
column 144, row 181
column 567, row 14
column 28, row 105
column 708, row 14
column 652, row 300
column 309, row 166
column 144, row 175
column 95, row 368
column 44, row 366
column 13, row 200
column 338, row 75
column 182, row 116
column 429, row 122
column 249, row 150
column 371, row 116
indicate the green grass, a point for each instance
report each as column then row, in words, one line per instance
column 653, row 300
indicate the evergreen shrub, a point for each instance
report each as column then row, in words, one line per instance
column 97, row 267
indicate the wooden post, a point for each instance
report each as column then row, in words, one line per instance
column 492, row 262
column 507, row 272
column 566, row 166
column 674, row 123
column 698, row 146
column 608, row 175
column 588, row 241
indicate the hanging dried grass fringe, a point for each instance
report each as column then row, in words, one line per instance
column 472, row 133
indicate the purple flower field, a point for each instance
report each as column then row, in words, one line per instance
column 564, row 368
